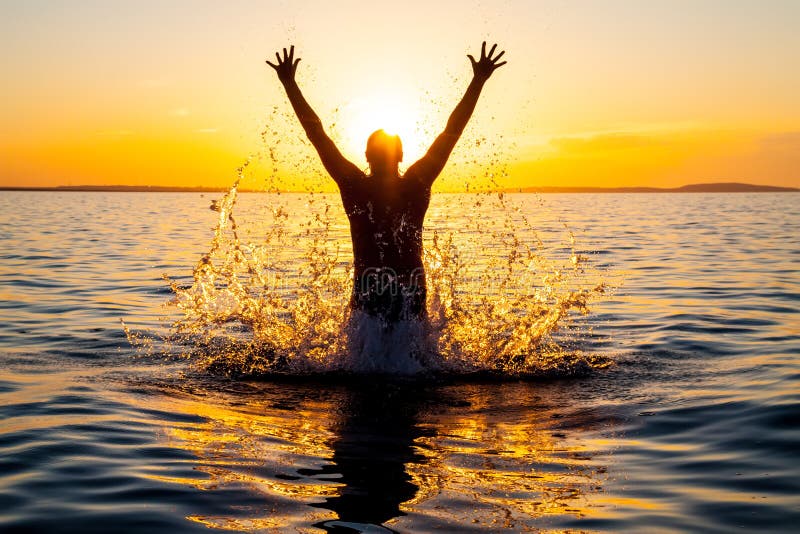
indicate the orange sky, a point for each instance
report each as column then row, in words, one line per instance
column 605, row 93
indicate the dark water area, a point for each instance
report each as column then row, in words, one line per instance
column 695, row 426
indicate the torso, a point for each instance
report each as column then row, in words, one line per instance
column 386, row 225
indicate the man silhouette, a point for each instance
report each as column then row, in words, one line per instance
column 386, row 210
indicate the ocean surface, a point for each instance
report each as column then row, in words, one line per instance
column 694, row 426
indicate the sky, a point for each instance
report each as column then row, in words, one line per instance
column 595, row 93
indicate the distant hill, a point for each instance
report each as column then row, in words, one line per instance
column 731, row 187
column 721, row 187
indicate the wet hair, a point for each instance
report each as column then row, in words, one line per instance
column 381, row 145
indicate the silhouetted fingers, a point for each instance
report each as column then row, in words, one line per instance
column 285, row 55
column 498, row 65
column 491, row 50
column 291, row 53
column 294, row 65
column 499, row 55
column 277, row 55
column 272, row 65
column 483, row 50
column 472, row 59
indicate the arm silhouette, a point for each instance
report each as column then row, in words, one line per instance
column 428, row 167
column 337, row 165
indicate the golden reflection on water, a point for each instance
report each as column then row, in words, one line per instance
column 513, row 465
column 490, row 456
column 241, row 443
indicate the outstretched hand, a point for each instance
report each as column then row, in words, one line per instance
column 486, row 65
column 286, row 66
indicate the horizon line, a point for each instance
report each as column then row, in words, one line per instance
column 710, row 187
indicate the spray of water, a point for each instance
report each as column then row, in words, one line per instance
column 276, row 301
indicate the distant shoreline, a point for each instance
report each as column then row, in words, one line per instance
column 723, row 187
column 719, row 187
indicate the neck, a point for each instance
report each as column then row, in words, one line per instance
column 388, row 170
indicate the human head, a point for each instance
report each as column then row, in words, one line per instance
column 384, row 151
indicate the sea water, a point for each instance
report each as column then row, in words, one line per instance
column 665, row 400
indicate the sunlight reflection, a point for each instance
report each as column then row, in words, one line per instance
column 386, row 455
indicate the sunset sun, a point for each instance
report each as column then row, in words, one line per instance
column 394, row 113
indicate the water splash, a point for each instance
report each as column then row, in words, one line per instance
column 275, row 299
column 271, row 296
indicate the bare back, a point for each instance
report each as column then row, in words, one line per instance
column 386, row 224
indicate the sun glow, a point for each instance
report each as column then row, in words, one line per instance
column 395, row 114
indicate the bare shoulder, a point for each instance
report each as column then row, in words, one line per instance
column 416, row 179
column 350, row 178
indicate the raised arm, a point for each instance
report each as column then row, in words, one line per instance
column 337, row 165
column 428, row 167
